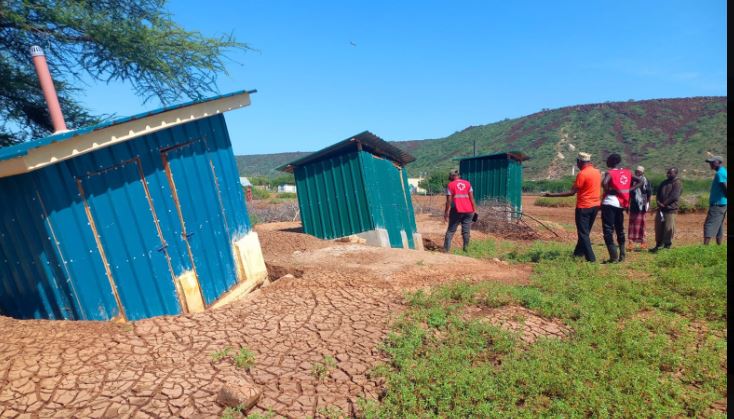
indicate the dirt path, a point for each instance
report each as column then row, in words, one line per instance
column 339, row 304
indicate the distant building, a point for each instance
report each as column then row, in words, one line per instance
column 287, row 188
column 245, row 182
column 357, row 186
column 414, row 188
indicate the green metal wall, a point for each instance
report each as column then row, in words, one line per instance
column 388, row 194
column 494, row 178
column 354, row 192
column 331, row 197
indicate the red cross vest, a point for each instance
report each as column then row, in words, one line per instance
column 459, row 190
column 621, row 181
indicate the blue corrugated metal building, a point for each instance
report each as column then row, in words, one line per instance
column 357, row 186
column 129, row 219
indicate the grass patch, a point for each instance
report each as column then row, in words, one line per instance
column 258, row 193
column 220, row 354
column 688, row 202
column 331, row 412
column 321, row 369
column 562, row 202
column 636, row 350
column 243, row 358
column 486, row 249
column 233, row 412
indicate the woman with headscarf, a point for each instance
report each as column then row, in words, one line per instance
column 639, row 205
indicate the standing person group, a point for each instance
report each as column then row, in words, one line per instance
column 623, row 191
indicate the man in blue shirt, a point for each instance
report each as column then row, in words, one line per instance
column 714, row 224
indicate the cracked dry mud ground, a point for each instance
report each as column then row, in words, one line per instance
column 341, row 307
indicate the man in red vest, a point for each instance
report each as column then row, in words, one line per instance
column 617, row 184
column 460, row 208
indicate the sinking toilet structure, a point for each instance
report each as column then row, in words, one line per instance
column 357, row 187
column 129, row 219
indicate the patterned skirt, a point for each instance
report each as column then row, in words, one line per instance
column 636, row 233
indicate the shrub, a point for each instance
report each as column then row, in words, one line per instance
column 258, row 193
column 563, row 202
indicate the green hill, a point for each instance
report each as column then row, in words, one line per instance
column 265, row 164
column 655, row 133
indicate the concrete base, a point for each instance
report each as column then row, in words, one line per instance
column 191, row 292
column 418, row 241
column 251, row 270
column 377, row 237
column 404, row 239
column 239, row 290
column 249, row 259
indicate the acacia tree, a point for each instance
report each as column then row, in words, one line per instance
column 110, row 40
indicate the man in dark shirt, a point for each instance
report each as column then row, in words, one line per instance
column 667, row 196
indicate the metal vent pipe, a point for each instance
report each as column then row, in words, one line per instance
column 49, row 92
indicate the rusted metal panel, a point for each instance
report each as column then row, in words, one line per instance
column 103, row 235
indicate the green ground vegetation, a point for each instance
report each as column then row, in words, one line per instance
column 323, row 368
column 690, row 186
column 243, row 358
column 648, row 340
column 688, row 202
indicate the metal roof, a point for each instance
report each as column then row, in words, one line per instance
column 369, row 142
column 515, row 155
column 31, row 155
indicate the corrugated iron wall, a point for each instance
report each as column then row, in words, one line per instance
column 103, row 231
column 388, row 193
column 354, row 192
column 494, row 178
column 332, row 198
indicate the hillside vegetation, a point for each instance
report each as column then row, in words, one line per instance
column 655, row 133
column 265, row 164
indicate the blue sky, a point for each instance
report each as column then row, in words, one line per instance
column 424, row 69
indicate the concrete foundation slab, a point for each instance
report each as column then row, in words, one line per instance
column 191, row 292
column 377, row 237
column 249, row 259
column 418, row 241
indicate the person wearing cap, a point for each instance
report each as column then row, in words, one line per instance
column 639, row 205
column 587, row 189
column 460, row 208
column 714, row 224
column 667, row 197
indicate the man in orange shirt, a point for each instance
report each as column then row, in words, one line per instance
column 587, row 189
